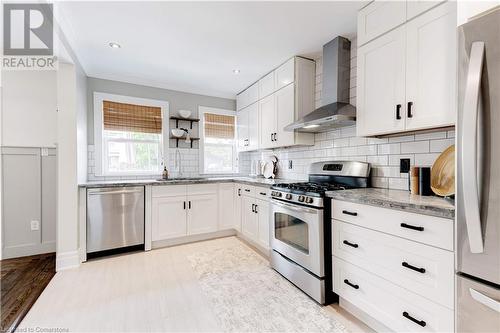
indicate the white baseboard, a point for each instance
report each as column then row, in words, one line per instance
column 364, row 317
column 28, row 250
column 192, row 238
column 67, row 260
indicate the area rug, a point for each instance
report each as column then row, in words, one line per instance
column 247, row 295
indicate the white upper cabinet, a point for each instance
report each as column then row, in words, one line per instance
column 430, row 69
column 406, row 77
column 285, row 74
column 267, row 115
column 417, row 7
column 379, row 17
column 247, row 97
column 285, row 95
column 266, row 85
column 380, row 105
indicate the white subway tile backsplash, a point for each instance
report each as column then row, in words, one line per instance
column 438, row 146
column 398, row 183
column 430, row 136
column 425, row 159
column 415, row 147
column 389, row 149
column 378, row 160
column 405, row 138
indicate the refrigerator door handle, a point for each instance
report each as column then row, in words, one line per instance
column 485, row 300
column 469, row 148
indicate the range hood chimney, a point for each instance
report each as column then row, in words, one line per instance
column 336, row 110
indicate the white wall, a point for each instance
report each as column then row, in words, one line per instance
column 29, row 108
column 469, row 9
column 81, row 124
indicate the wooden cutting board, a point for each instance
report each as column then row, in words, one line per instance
column 443, row 173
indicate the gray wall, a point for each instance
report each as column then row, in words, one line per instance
column 177, row 100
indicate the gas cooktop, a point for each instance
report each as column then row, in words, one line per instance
column 309, row 188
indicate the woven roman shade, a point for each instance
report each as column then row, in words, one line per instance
column 131, row 117
column 219, row 126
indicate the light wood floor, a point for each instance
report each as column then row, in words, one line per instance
column 141, row 292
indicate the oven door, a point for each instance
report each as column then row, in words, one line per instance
column 297, row 234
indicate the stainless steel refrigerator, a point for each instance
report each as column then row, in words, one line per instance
column 478, row 176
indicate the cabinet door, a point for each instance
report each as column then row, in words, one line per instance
column 285, row 114
column 238, row 189
column 267, row 115
column 249, row 226
column 168, row 217
column 242, row 122
column 417, row 7
column 381, row 85
column 240, row 100
column 285, row 74
column 202, row 213
column 263, row 223
column 253, row 127
column 226, row 206
column 266, row 85
column 431, row 68
column 378, row 18
column 252, row 93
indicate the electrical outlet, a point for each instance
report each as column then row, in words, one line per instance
column 404, row 165
column 35, row 225
column 290, row 164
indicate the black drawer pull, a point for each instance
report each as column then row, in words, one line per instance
column 412, row 227
column 350, row 244
column 262, row 193
column 253, row 208
column 184, row 205
column 355, row 286
column 416, row 321
column 410, row 113
column 247, row 190
column 349, row 213
column 417, row 269
column 398, row 111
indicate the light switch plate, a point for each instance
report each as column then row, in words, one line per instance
column 35, row 225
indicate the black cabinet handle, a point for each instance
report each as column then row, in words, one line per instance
column 262, row 193
column 412, row 227
column 398, row 111
column 189, row 205
column 350, row 244
column 416, row 321
column 410, row 113
column 275, row 137
column 184, row 205
column 417, row 269
column 239, row 192
column 256, row 211
column 247, row 190
column 349, row 213
column 355, row 286
column 253, row 208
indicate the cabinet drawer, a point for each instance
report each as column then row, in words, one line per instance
column 262, row 193
column 393, row 306
column 425, row 229
column 168, row 191
column 199, row 189
column 247, row 190
column 419, row 268
column 285, row 74
column 378, row 18
column 266, row 85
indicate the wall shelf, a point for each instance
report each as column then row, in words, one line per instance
column 190, row 120
column 183, row 139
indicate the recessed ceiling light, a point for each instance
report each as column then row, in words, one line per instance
column 236, row 71
column 115, row 45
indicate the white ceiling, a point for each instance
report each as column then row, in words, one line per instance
column 194, row 47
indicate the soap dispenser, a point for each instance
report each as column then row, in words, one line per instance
column 165, row 173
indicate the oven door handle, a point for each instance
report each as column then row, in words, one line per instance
column 296, row 208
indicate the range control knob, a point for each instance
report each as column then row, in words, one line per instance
column 301, row 198
column 274, row 193
column 279, row 194
column 289, row 196
column 309, row 200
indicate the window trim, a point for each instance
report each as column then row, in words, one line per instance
column 201, row 114
column 99, row 97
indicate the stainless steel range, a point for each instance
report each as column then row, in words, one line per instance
column 301, row 226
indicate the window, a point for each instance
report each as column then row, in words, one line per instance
column 129, row 135
column 218, row 153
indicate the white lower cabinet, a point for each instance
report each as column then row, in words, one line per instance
column 183, row 210
column 249, row 221
column 397, row 308
column 227, row 206
column 396, row 267
column 262, row 208
column 255, row 218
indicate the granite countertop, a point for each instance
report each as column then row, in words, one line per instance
column 396, row 199
column 186, row 181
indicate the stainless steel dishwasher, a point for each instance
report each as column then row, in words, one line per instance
column 115, row 219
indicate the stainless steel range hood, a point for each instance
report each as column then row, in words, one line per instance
column 336, row 110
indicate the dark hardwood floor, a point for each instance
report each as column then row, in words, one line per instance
column 22, row 281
